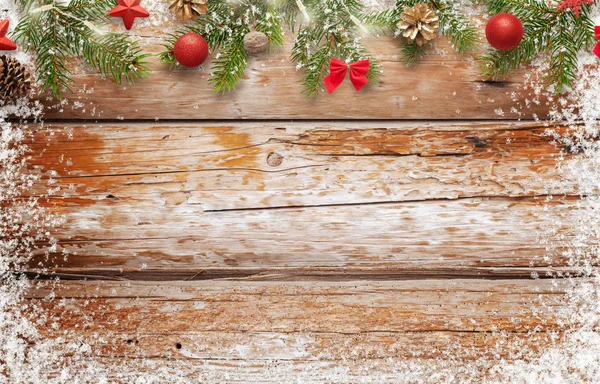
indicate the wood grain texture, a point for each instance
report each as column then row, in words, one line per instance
column 265, row 165
column 471, row 232
column 307, row 371
column 259, row 199
column 241, row 320
column 302, row 246
column 444, row 86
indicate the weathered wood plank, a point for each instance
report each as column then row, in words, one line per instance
column 319, row 307
column 200, row 347
column 317, row 321
column 249, row 165
column 474, row 232
column 443, row 86
column 122, row 370
column 203, row 200
column 431, row 291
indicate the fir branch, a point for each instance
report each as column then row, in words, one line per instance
column 317, row 68
column 61, row 32
column 499, row 63
column 51, row 60
column 224, row 27
column 271, row 25
column 166, row 56
column 105, row 55
column 523, row 9
column 301, row 51
column 91, row 9
column 455, row 26
column 230, row 65
column 383, row 21
column 111, row 54
column 29, row 31
column 557, row 34
column 289, row 13
column 584, row 27
column 412, row 52
column 563, row 58
column 334, row 31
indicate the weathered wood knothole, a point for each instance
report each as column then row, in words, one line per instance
column 303, row 235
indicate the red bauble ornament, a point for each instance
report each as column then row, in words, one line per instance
column 190, row 50
column 5, row 43
column 504, row 32
column 128, row 10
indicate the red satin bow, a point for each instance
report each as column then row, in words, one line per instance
column 337, row 74
column 597, row 33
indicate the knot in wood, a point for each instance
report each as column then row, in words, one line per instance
column 274, row 159
column 477, row 142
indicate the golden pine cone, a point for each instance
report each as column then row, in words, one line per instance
column 188, row 9
column 14, row 79
column 418, row 24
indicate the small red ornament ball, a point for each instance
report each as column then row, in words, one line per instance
column 191, row 50
column 504, row 32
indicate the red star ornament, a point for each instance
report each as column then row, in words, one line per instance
column 128, row 10
column 5, row 43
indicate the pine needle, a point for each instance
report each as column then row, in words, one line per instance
column 60, row 32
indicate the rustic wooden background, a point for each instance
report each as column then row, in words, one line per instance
column 230, row 231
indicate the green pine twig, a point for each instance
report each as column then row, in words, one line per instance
column 455, row 26
column 412, row 52
column 559, row 35
column 331, row 33
column 224, row 27
column 60, row 32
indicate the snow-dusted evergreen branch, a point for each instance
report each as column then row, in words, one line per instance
column 559, row 33
column 454, row 25
column 58, row 32
column 334, row 30
column 224, row 27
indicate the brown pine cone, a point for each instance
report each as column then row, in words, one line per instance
column 14, row 79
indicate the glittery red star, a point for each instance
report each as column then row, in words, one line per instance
column 128, row 10
column 5, row 43
column 573, row 5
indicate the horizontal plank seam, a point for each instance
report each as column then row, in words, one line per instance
column 305, row 332
column 281, row 120
column 341, row 277
column 277, row 379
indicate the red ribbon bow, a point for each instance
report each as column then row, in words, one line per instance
column 337, row 74
column 597, row 33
